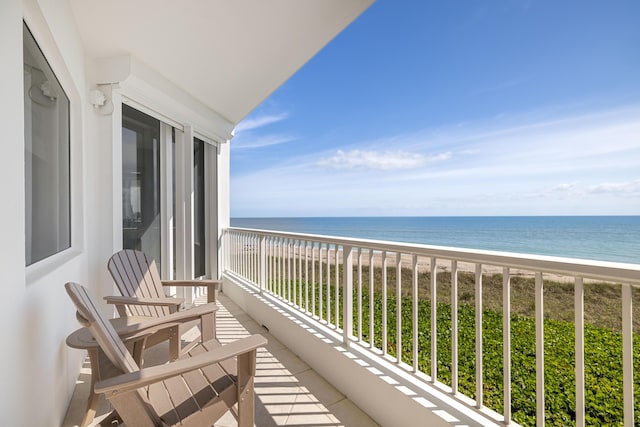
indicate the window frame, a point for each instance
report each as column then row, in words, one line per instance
column 59, row 156
column 37, row 26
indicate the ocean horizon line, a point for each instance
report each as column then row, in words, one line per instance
column 596, row 237
column 438, row 216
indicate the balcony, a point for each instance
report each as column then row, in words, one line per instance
column 444, row 336
column 351, row 342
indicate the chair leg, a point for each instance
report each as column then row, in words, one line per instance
column 92, row 401
column 211, row 293
column 174, row 343
column 137, row 351
column 208, row 326
column 246, row 375
column 92, row 404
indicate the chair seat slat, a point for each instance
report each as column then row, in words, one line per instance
column 181, row 396
column 162, row 403
column 216, row 376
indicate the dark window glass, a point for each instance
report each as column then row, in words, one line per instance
column 199, row 232
column 141, row 183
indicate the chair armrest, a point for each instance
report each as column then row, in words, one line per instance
column 212, row 286
column 194, row 282
column 132, row 381
column 121, row 300
column 155, row 324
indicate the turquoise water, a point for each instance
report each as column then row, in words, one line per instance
column 604, row 238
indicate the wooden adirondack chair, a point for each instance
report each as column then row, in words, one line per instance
column 135, row 333
column 194, row 391
column 142, row 289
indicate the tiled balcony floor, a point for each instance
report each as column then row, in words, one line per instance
column 288, row 391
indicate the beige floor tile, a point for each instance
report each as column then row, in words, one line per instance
column 348, row 414
column 308, row 411
column 290, row 361
column 273, row 344
column 319, row 387
column 310, row 419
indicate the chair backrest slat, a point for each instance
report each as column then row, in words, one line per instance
column 149, row 272
column 101, row 328
column 136, row 275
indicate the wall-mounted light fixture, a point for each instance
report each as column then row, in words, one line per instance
column 100, row 99
column 97, row 98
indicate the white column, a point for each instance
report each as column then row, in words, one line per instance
column 222, row 201
column 166, row 200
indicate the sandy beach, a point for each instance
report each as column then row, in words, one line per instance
column 424, row 264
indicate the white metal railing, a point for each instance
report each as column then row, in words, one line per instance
column 322, row 277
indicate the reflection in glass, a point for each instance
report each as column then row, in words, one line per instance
column 199, row 232
column 141, row 182
column 46, row 146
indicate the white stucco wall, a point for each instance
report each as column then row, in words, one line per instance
column 38, row 371
column 12, row 215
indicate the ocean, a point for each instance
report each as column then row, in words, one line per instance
column 603, row 238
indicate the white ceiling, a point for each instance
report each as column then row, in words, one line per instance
column 228, row 54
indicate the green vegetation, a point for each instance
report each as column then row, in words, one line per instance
column 603, row 341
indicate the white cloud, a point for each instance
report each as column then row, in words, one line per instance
column 631, row 187
column 387, row 160
column 260, row 121
column 248, row 133
column 251, row 141
column 561, row 188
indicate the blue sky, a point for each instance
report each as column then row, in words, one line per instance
column 454, row 107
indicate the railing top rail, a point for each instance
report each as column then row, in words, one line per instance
column 588, row 269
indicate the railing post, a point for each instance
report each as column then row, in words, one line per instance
column 384, row 303
column 359, row 294
column 337, row 294
column 371, row 299
column 540, row 410
column 506, row 342
column 414, row 311
column 230, row 247
column 347, row 293
column 223, row 250
column 627, row 353
column 434, row 331
column 579, row 350
column 262, row 263
column 479, row 366
column 398, row 307
column 454, row 327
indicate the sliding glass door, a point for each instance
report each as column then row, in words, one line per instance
column 168, row 181
column 141, row 179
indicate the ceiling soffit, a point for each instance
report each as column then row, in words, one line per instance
column 227, row 55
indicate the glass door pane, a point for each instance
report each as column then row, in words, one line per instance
column 199, row 211
column 141, row 225
column 46, row 151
